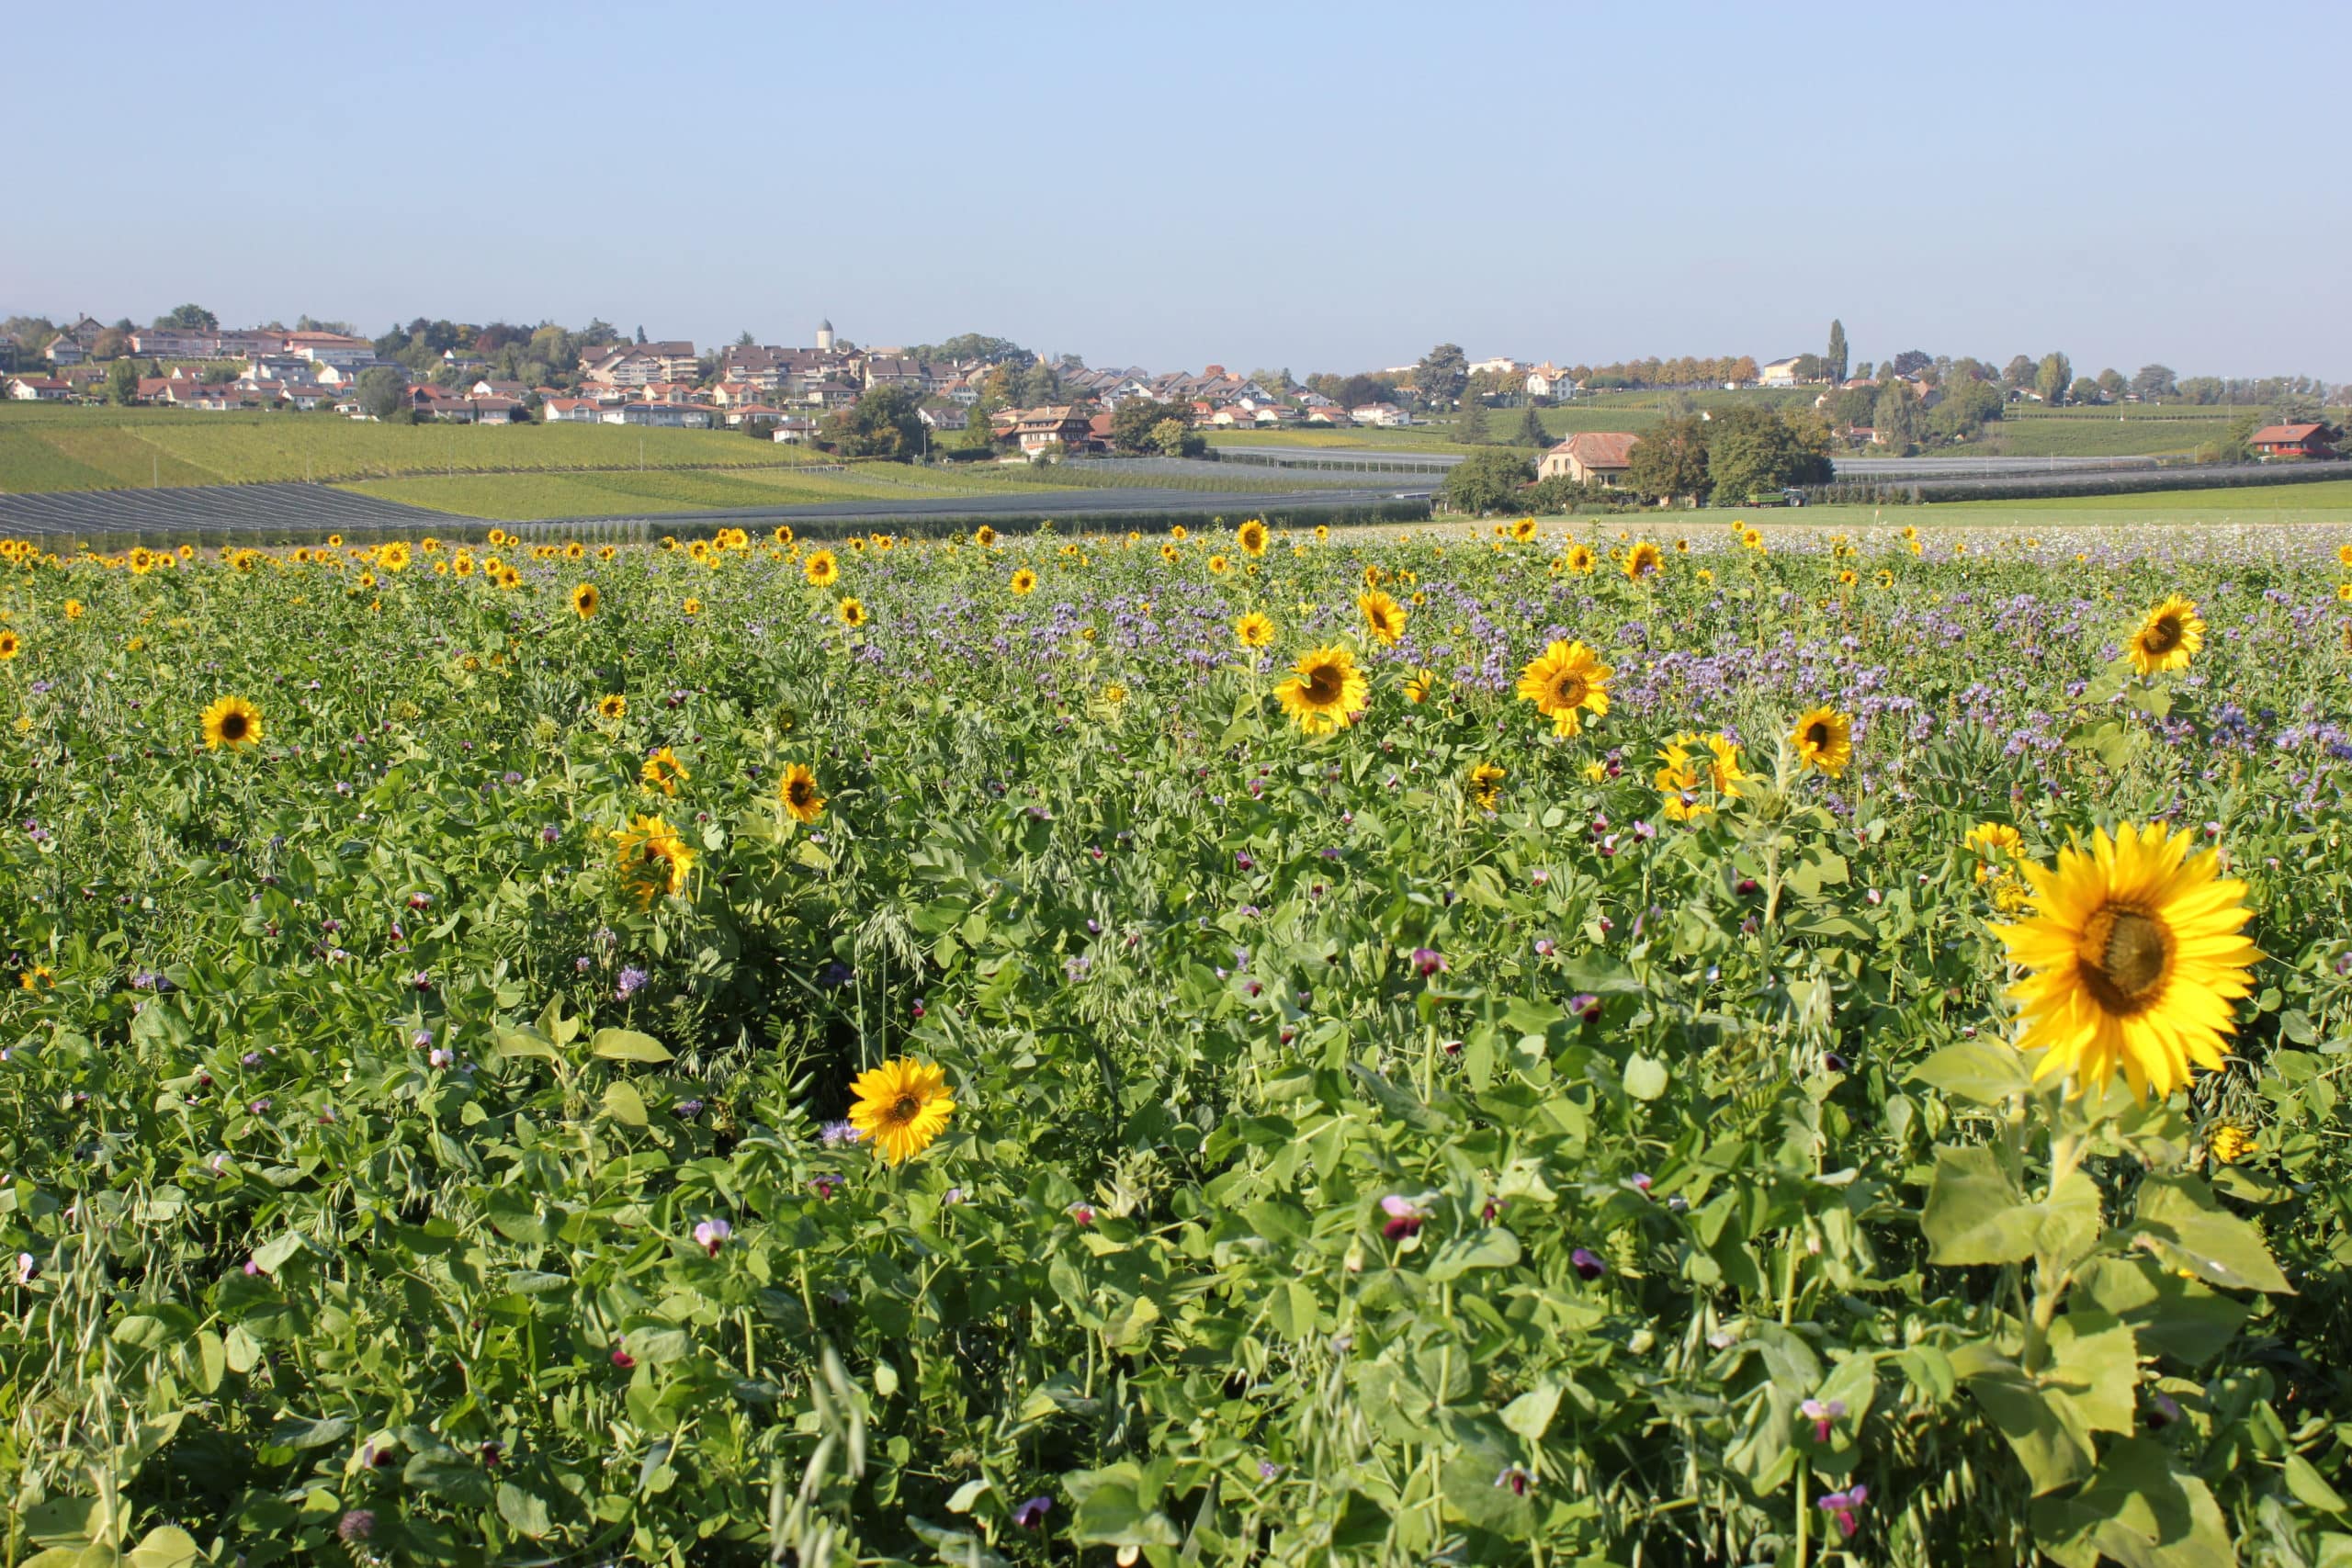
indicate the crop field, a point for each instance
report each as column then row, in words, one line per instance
column 1545, row 1045
column 516, row 497
column 99, row 449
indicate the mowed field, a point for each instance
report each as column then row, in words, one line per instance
column 104, row 449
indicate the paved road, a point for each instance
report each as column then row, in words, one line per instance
column 1055, row 503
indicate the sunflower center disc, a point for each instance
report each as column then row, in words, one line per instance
column 905, row 1108
column 1323, row 684
column 1572, row 689
column 2163, row 635
column 1818, row 737
column 2126, row 956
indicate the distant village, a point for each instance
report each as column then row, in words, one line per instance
column 987, row 396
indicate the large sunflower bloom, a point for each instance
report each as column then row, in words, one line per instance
column 231, row 722
column 2168, row 639
column 822, row 570
column 901, row 1106
column 1645, row 560
column 798, row 788
column 1251, row 537
column 1326, row 691
column 1024, row 582
column 654, row 861
column 2134, row 954
column 1563, row 681
column 1255, row 629
column 1383, row 616
column 1824, row 739
column 584, row 600
column 11, row 645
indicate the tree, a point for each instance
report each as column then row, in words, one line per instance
column 189, row 318
column 2111, row 384
column 745, row 340
column 641, row 334
column 1357, row 391
column 2083, row 391
column 383, row 394
column 1171, row 437
column 1135, row 421
column 1808, row 367
column 1911, row 361
column 1669, row 462
column 1896, row 417
column 1530, row 429
column 1833, row 363
column 1488, row 480
column 1754, row 452
column 886, row 422
column 2052, row 377
column 1471, row 429
column 113, row 343
column 2153, row 381
column 2017, row 374
column 1441, row 374
column 1967, row 407
column 122, row 382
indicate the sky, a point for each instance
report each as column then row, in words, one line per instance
column 1302, row 187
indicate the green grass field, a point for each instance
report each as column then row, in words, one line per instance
column 521, row 497
column 2322, row 503
column 105, row 449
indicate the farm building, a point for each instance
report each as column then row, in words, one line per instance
column 1589, row 456
column 2291, row 441
column 39, row 388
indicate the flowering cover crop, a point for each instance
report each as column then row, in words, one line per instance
column 1245, row 1048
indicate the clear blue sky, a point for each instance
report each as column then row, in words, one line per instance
column 1316, row 187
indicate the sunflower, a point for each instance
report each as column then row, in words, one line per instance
column 1024, row 583
column 2229, row 1142
column 2134, row 954
column 1255, row 629
column 462, row 563
column 823, row 569
column 1563, row 681
column 1251, row 537
column 1179, row 532
column 1383, row 616
column 1677, row 783
column 1824, row 739
column 393, row 557
column 1170, row 553
column 662, row 770
column 1219, row 565
column 850, row 612
column 574, row 550
column 798, row 788
column 654, row 861
column 692, row 606
column 1485, row 784
column 11, row 645
column 1645, row 560
column 229, row 721
column 1988, row 839
column 612, row 707
column 1418, row 685
column 1847, row 577
column 2168, row 639
column 1523, row 530
column 1326, row 691
column 2344, row 555
column 584, row 600
column 901, row 1106
column 72, row 609
column 984, row 535
column 1581, row 560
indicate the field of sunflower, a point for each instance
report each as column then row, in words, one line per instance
column 1255, row 1047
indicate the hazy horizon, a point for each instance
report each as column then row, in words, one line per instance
column 1310, row 195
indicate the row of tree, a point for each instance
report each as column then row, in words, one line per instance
column 1738, row 454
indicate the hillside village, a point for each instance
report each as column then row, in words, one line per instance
column 979, row 398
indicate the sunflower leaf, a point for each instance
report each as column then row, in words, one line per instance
column 2179, row 1220
column 1976, row 1213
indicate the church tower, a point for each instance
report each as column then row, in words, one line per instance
column 824, row 337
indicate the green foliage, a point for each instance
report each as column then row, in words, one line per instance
column 1669, row 462
column 1470, row 428
column 359, row 1127
column 1488, row 480
column 1754, row 452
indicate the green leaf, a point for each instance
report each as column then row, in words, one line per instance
column 2308, row 1489
column 166, row 1546
column 298, row 1432
column 272, row 1255
column 2046, row 1435
column 628, row 1046
column 2179, row 1217
column 2185, row 1319
column 1646, row 1077
column 1980, row 1070
column 524, row 1510
column 1975, row 1212
column 654, row 1346
column 2094, row 1367
column 624, row 1104
column 957, row 1548
column 1489, row 1246
column 1531, row 1413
